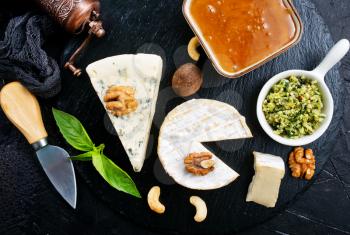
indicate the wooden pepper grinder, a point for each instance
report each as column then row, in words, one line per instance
column 76, row 16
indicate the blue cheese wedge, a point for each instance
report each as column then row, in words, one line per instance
column 185, row 129
column 143, row 72
column 269, row 171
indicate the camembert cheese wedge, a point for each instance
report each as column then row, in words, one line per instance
column 143, row 73
column 185, row 129
column 265, row 186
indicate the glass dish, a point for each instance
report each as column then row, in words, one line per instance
column 219, row 59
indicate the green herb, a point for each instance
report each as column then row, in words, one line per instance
column 115, row 176
column 74, row 133
column 83, row 157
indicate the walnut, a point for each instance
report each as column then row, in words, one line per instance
column 302, row 163
column 120, row 100
column 199, row 163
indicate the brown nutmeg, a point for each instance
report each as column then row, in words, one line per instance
column 187, row 80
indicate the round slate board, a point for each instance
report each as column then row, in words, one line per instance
column 159, row 27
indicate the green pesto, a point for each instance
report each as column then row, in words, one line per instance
column 294, row 107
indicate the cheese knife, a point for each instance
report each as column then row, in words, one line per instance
column 23, row 110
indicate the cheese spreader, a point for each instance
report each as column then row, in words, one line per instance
column 23, row 110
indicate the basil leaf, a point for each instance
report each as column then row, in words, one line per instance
column 75, row 134
column 82, row 157
column 114, row 175
column 99, row 149
column 73, row 131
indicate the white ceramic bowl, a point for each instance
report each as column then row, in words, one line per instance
column 332, row 58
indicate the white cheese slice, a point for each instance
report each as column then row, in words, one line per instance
column 189, row 125
column 269, row 171
column 143, row 72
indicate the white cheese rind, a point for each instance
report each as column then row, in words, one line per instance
column 143, row 72
column 183, row 131
column 269, row 171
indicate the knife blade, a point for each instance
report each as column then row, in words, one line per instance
column 23, row 110
column 60, row 171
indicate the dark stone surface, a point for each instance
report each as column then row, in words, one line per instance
column 228, row 210
column 324, row 208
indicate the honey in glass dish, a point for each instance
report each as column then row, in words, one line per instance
column 240, row 35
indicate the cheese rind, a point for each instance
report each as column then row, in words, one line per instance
column 142, row 72
column 184, row 130
column 269, row 171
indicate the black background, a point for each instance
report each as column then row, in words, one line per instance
column 324, row 208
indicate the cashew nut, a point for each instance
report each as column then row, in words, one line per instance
column 153, row 200
column 192, row 49
column 201, row 208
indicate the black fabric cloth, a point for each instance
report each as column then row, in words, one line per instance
column 22, row 57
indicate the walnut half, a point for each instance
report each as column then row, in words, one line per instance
column 120, row 100
column 199, row 163
column 302, row 163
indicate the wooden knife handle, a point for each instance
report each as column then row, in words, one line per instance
column 23, row 110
